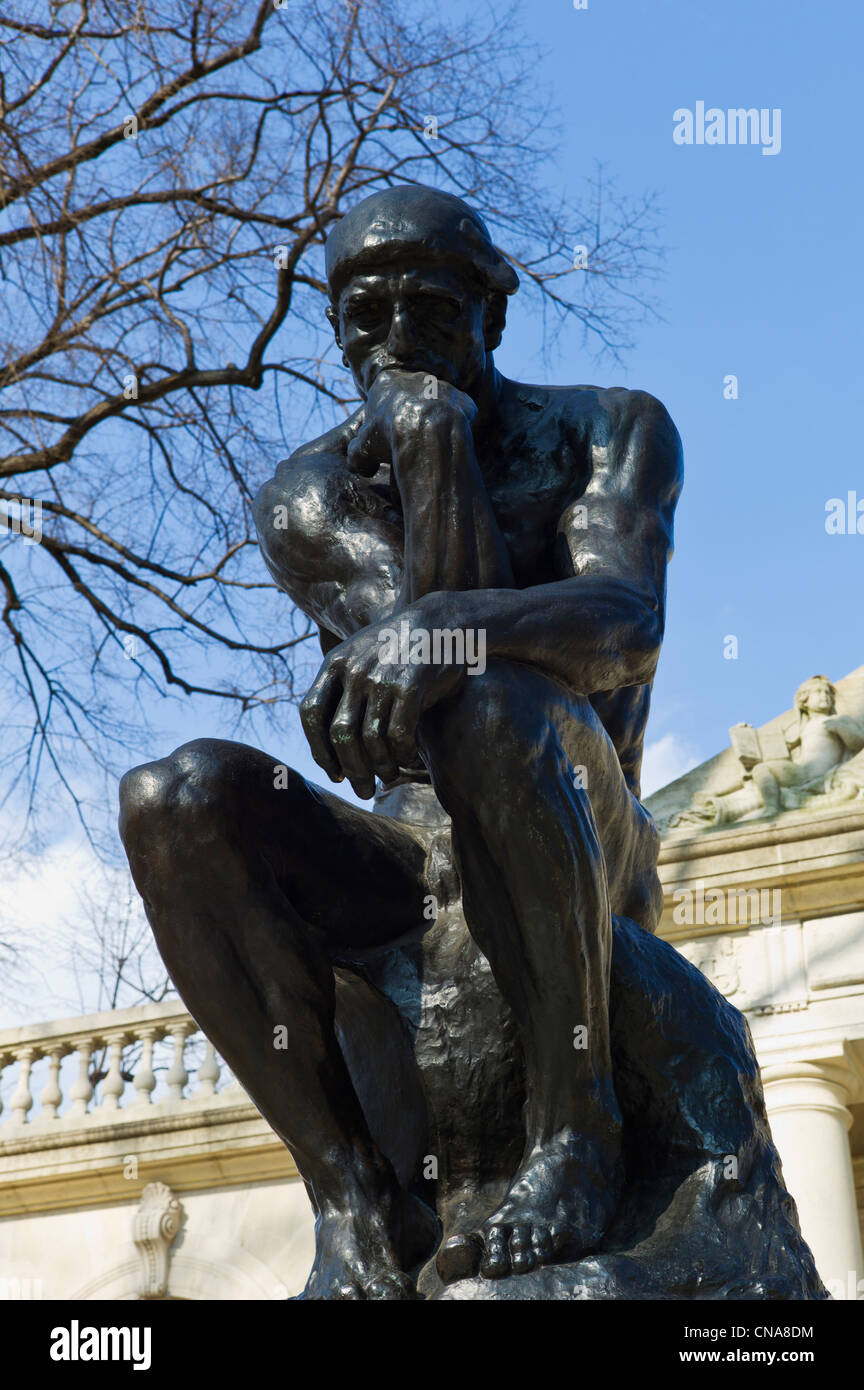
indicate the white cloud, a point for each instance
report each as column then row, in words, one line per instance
column 54, row 907
column 664, row 760
column 40, row 890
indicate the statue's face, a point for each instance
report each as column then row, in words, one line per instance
column 820, row 698
column 423, row 319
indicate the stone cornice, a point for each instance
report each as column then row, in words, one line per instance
column 739, row 839
column 817, row 864
column 221, row 1150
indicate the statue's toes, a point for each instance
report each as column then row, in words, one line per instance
column 496, row 1258
column 459, row 1258
column 391, row 1288
column 523, row 1257
column 497, row 1251
column 350, row 1293
column 543, row 1245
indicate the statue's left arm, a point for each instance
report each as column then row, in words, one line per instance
column 849, row 732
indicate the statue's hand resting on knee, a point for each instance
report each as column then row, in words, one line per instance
column 362, row 712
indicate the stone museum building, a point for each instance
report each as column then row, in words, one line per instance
column 132, row 1164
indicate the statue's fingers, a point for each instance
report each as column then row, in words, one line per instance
column 402, row 729
column 316, row 714
column 346, row 739
column 364, row 452
column 375, row 723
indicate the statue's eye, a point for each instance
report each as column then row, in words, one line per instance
column 441, row 307
column 365, row 314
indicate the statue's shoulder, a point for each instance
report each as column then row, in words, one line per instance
column 638, row 442
column 305, row 491
column 615, row 410
column 626, row 407
column 600, row 410
column 615, row 428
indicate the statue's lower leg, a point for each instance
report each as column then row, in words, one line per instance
column 260, row 983
column 540, row 913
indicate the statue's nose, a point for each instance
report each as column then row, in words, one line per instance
column 402, row 338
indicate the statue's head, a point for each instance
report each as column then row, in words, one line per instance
column 415, row 282
column 816, row 696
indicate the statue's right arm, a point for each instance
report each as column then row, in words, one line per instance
column 331, row 539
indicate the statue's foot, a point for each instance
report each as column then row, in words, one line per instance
column 364, row 1252
column 558, row 1207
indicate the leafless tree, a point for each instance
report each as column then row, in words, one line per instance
column 109, row 948
column 169, row 170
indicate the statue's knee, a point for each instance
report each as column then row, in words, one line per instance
column 190, row 784
column 142, row 798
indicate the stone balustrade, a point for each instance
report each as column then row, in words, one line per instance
column 119, row 1131
column 98, row 1106
column 106, row 1067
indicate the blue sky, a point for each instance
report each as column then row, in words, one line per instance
column 763, row 280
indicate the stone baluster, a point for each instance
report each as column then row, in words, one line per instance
column 81, row 1092
column 114, row 1085
column 208, row 1072
column 145, row 1077
column 22, row 1099
column 177, row 1074
column 51, row 1097
column 233, row 1087
column 5, row 1059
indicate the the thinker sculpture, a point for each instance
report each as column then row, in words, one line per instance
column 518, row 1080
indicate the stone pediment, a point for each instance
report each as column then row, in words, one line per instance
column 805, row 762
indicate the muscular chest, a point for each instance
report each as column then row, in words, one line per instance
column 530, row 484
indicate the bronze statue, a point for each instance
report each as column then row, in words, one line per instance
column 455, row 513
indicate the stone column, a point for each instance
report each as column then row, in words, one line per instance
column 807, row 1104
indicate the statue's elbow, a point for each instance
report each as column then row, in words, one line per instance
column 274, row 512
column 263, row 514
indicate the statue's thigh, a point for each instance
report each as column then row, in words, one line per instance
column 787, row 773
column 355, row 874
column 215, row 811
